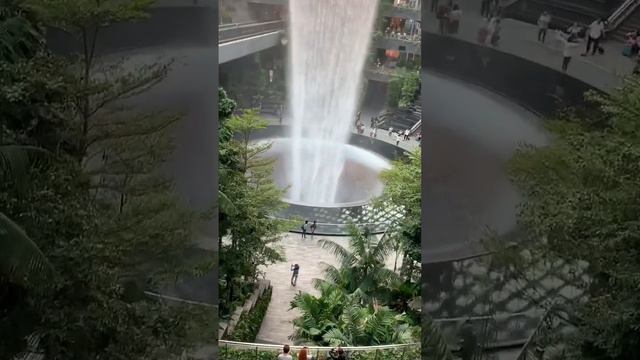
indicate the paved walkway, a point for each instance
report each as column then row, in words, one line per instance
column 277, row 325
column 382, row 135
column 518, row 38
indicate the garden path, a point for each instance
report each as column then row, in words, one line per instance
column 277, row 325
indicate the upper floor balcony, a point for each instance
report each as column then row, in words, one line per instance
column 406, row 9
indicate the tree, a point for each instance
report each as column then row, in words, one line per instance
column 582, row 206
column 247, row 182
column 403, row 189
column 106, row 249
column 361, row 265
column 404, row 88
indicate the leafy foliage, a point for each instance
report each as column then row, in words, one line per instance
column 20, row 34
column 249, row 324
column 406, row 353
column 350, row 310
column 403, row 188
column 337, row 318
column 97, row 209
column 404, row 88
column 362, row 265
column 582, row 205
column 245, row 178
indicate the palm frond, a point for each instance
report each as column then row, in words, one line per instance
column 336, row 249
column 20, row 258
column 15, row 161
column 434, row 344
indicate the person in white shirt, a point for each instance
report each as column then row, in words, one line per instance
column 285, row 354
column 454, row 19
column 595, row 32
column 543, row 26
column 406, row 134
column 569, row 42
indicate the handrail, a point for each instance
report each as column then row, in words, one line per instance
column 238, row 31
column 327, row 348
column 415, row 126
column 246, row 24
column 621, row 13
column 531, row 339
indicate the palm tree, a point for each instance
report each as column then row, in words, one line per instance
column 21, row 261
column 362, row 265
column 336, row 318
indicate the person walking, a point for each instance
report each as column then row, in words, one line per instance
column 595, row 32
column 406, row 134
column 390, row 130
column 397, row 139
column 543, row 26
column 304, row 229
column 569, row 42
column 285, row 353
column 454, row 19
column 294, row 277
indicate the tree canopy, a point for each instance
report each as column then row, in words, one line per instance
column 582, row 204
column 95, row 210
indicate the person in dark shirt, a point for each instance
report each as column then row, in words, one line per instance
column 294, row 277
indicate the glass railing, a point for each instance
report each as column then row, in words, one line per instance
column 229, row 32
column 232, row 350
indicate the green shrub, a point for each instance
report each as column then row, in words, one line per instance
column 249, row 323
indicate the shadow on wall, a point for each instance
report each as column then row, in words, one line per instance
column 540, row 89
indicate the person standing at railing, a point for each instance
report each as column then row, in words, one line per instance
column 313, row 227
column 303, row 354
column 285, row 354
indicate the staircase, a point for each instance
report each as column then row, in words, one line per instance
column 563, row 12
column 629, row 24
column 400, row 119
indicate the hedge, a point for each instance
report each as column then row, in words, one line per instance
column 249, row 324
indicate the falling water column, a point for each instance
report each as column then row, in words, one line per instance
column 329, row 46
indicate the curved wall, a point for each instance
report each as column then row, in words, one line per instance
column 536, row 87
column 451, row 285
